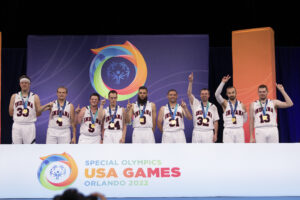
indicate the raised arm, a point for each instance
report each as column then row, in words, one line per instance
column 251, row 123
column 190, row 88
column 153, row 116
column 129, row 112
column 160, row 119
column 218, row 95
column 11, row 105
column 101, row 110
column 73, row 123
column 245, row 115
column 186, row 111
column 287, row 100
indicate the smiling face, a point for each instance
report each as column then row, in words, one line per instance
column 262, row 93
column 204, row 95
column 172, row 96
column 231, row 93
column 94, row 100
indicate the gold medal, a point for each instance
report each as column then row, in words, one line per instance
column 142, row 120
column 173, row 122
column 111, row 125
column 59, row 119
column 25, row 111
column 204, row 120
column 93, row 125
column 265, row 117
column 233, row 120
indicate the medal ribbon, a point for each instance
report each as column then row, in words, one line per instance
column 264, row 108
column 115, row 114
column 61, row 109
column 175, row 111
column 143, row 111
column 204, row 111
column 93, row 117
column 235, row 106
column 25, row 103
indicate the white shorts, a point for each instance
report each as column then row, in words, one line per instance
column 85, row 139
column 173, row 137
column 112, row 136
column 203, row 136
column 58, row 136
column 23, row 133
column 266, row 135
column 233, row 135
column 143, row 135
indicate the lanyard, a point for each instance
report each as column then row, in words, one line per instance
column 175, row 111
column 25, row 103
column 115, row 114
column 264, row 108
column 61, row 109
column 143, row 111
column 204, row 111
column 93, row 117
column 235, row 106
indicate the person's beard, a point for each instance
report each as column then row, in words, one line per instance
column 142, row 101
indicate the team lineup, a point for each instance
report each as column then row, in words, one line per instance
column 107, row 124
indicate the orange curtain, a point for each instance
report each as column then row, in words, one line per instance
column 253, row 57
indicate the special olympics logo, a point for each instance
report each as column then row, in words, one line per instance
column 119, row 67
column 57, row 171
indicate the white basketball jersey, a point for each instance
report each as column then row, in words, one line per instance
column 118, row 121
column 271, row 115
column 227, row 116
column 18, row 115
column 54, row 115
column 179, row 125
column 86, row 127
column 198, row 116
column 146, row 119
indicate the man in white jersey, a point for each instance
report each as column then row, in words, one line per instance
column 90, row 126
column 205, row 116
column 24, row 107
column 62, row 117
column 234, row 114
column 113, row 120
column 263, row 115
column 143, row 113
column 171, row 119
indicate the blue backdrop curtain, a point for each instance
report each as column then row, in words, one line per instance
column 287, row 73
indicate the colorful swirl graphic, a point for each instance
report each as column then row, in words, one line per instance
column 58, row 161
column 127, row 51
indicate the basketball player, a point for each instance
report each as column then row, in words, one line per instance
column 143, row 113
column 62, row 117
column 90, row 126
column 171, row 115
column 113, row 120
column 263, row 113
column 234, row 114
column 205, row 116
column 24, row 107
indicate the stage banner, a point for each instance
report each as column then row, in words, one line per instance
column 150, row 170
column 87, row 64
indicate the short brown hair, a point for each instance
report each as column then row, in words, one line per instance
column 63, row 87
column 263, row 86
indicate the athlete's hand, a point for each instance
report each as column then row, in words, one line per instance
column 77, row 110
column 280, row 87
column 191, row 77
column 183, row 104
column 226, row 78
column 215, row 138
column 129, row 105
column 122, row 141
column 73, row 141
column 102, row 102
column 50, row 105
column 252, row 140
